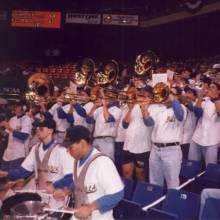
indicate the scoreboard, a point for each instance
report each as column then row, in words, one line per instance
column 36, row 19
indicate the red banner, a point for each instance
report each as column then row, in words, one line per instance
column 37, row 19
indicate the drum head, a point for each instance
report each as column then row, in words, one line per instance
column 28, row 210
column 16, row 199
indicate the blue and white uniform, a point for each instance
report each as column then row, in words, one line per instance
column 103, row 185
column 61, row 124
column 206, row 137
column 166, row 154
column 105, row 131
column 17, row 147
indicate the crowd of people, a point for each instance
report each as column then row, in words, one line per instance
column 145, row 139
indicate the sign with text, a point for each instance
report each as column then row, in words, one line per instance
column 124, row 20
column 76, row 18
column 37, row 19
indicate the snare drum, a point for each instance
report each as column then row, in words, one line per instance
column 29, row 210
column 16, row 199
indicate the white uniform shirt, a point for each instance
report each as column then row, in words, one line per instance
column 189, row 127
column 106, row 129
column 207, row 131
column 16, row 148
column 167, row 128
column 120, row 136
column 78, row 120
column 60, row 162
column 88, row 107
column 101, row 179
column 137, row 135
column 61, row 124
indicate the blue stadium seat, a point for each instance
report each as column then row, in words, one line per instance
column 146, row 193
column 128, row 210
column 129, row 188
column 201, row 183
column 211, row 209
column 189, row 169
column 182, row 203
column 212, row 172
column 211, row 178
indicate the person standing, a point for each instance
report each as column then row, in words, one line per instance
column 167, row 119
column 206, row 137
column 19, row 129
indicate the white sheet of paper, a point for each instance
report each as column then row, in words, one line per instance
column 159, row 77
column 73, row 87
column 170, row 74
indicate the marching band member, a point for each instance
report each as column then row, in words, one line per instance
column 166, row 156
column 207, row 134
column 19, row 129
column 98, row 186
column 74, row 113
column 50, row 163
column 105, row 119
column 190, row 122
column 137, row 143
column 119, row 140
column 61, row 124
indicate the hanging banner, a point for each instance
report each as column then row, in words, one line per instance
column 37, row 19
column 123, row 20
column 3, row 15
column 76, row 18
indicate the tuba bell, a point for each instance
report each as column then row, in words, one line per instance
column 161, row 93
column 39, row 86
column 107, row 75
column 85, row 71
column 145, row 63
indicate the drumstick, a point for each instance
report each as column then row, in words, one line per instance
column 30, row 191
column 60, row 210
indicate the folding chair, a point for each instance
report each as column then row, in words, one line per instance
column 128, row 210
column 146, row 193
column 129, row 188
column 211, row 209
column 182, row 203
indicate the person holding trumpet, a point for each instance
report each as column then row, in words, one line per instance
column 167, row 118
column 206, row 137
column 137, row 143
column 105, row 116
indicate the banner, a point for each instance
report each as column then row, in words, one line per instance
column 3, row 15
column 76, row 18
column 37, row 19
column 124, row 20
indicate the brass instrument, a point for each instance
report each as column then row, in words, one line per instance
column 145, row 63
column 107, row 75
column 39, row 87
column 85, row 72
column 161, row 93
